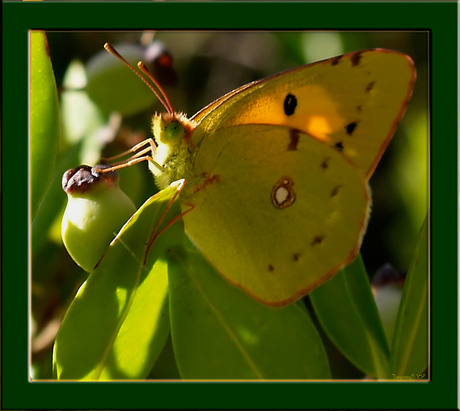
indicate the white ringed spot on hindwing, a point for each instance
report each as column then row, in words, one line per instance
column 283, row 194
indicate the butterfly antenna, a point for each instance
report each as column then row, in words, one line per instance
column 146, row 71
column 160, row 94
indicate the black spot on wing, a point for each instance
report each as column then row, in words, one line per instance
column 271, row 268
column 318, row 239
column 290, row 104
column 335, row 191
column 351, row 127
column 296, row 256
column 356, row 58
column 325, row 163
column 370, row 86
column 335, row 60
column 294, row 139
column 339, row 146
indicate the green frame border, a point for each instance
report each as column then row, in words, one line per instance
column 17, row 392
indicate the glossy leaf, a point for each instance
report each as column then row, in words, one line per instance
column 409, row 351
column 346, row 310
column 219, row 332
column 118, row 322
column 44, row 118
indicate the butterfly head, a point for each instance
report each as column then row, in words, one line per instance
column 172, row 133
column 171, row 129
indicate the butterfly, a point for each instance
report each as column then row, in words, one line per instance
column 276, row 194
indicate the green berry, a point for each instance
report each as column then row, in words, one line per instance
column 95, row 212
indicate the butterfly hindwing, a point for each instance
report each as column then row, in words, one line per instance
column 277, row 212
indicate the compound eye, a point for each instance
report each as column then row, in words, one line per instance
column 174, row 132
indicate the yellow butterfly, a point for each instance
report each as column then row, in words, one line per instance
column 276, row 194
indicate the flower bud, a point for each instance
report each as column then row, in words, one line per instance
column 95, row 212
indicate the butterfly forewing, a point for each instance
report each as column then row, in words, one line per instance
column 353, row 103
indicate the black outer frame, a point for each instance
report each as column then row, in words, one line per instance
column 440, row 393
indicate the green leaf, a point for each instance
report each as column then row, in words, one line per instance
column 53, row 203
column 346, row 310
column 409, row 350
column 165, row 367
column 111, row 85
column 219, row 332
column 44, row 118
column 118, row 322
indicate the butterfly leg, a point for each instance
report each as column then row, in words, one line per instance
column 156, row 232
column 134, row 159
column 133, row 149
